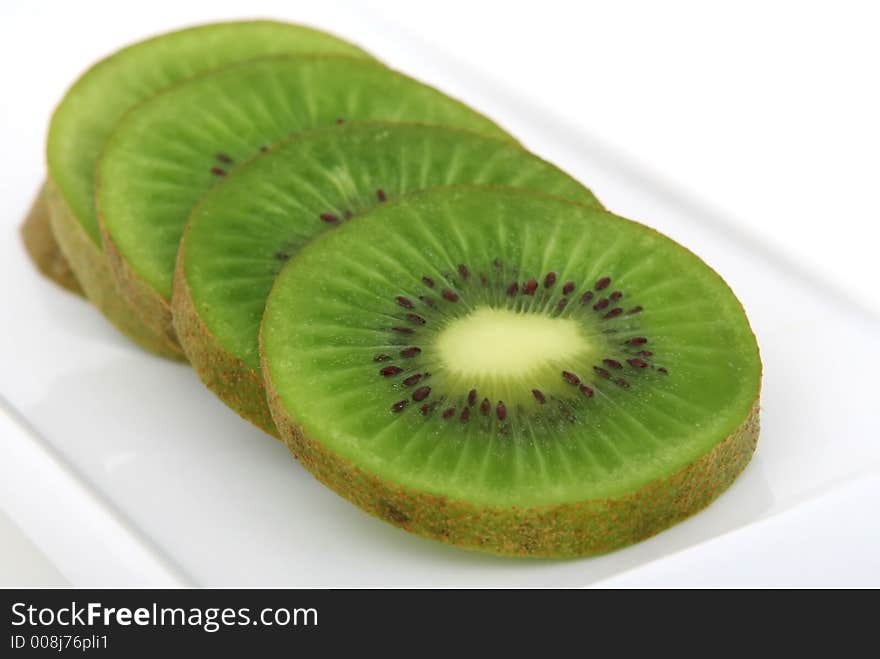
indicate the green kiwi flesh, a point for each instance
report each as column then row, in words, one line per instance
column 88, row 112
column 168, row 152
column 244, row 230
column 579, row 382
column 41, row 246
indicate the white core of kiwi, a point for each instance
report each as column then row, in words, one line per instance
column 508, row 344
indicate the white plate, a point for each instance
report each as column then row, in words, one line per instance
column 123, row 469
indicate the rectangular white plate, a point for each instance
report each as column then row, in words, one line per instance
column 123, row 469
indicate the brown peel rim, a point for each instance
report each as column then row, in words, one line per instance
column 151, row 309
column 89, row 263
column 236, row 383
column 42, row 247
column 565, row 530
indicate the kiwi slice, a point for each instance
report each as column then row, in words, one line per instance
column 166, row 153
column 88, row 112
column 41, row 246
column 578, row 382
column 243, row 231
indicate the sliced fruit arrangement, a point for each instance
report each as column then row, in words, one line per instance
column 90, row 110
column 444, row 328
column 511, row 372
column 166, row 153
column 246, row 229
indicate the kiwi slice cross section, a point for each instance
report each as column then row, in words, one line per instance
column 244, row 230
column 511, row 372
column 169, row 151
column 88, row 112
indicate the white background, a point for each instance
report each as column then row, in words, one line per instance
column 765, row 115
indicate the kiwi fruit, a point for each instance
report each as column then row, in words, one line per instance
column 169, row 151
column 577, row 382
column 41, row 246
column 87, row 113
column 244, row 230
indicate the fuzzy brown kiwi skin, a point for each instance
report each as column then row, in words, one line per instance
column 40, row 244
column 236, row 383
column 153, row 311
column 87, row 260
column 566, row 530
